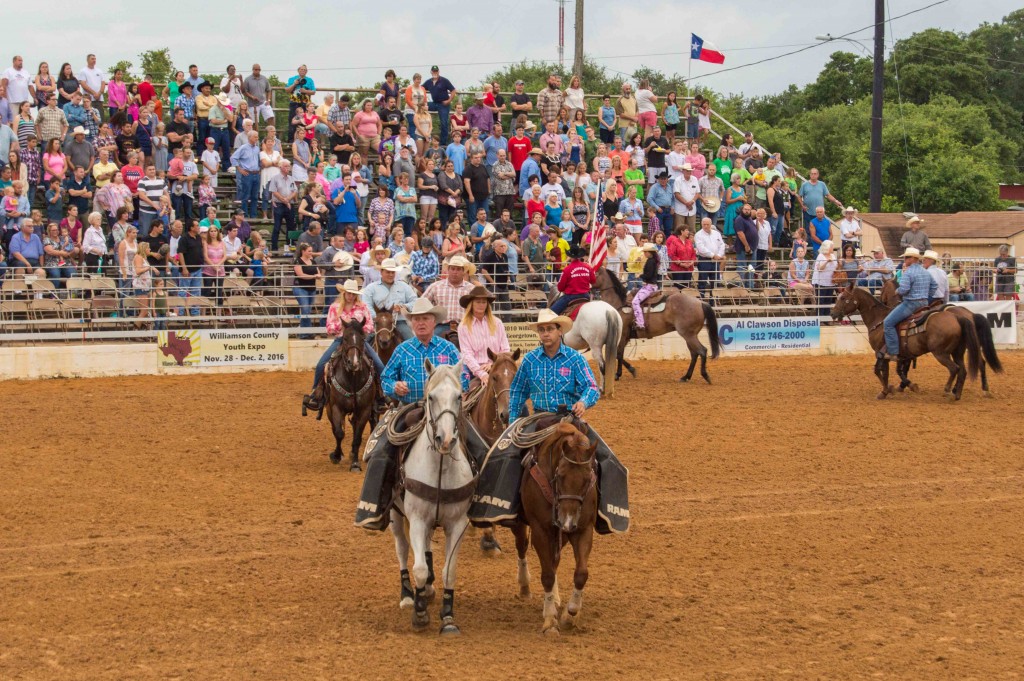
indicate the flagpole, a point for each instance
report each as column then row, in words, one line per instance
column 689, row 66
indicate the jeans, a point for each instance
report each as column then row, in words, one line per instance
column 282, row 213
column 265, row 194
column 145, row 220
column 666, row 220
column 407, row 222
column 248, row 192
column 707, row 275
column 182, row 204
column 443, row 111
column 222, row 144
column 558, row 307
column 318, row 374
column 961, row 297
column 823, row 296
column 473, row 206
column 743, row 261
column 901, row 312
column 778, row 223
column 410, row 122
column 701, row 214
column 305, row 298
column 192, row 287
column 60, row 275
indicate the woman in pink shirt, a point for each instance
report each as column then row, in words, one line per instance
column 697, row 160
column 480, row 331
column 368, row 127
column 54, row 162
column 117, row 93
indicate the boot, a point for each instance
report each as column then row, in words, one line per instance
column 314, row 400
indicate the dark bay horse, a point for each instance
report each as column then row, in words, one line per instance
column 351, row 386
column 490, row 415
column 683, row 314
column 559, row 497
column 947, row 337
column 989, row 356
column 386, row 337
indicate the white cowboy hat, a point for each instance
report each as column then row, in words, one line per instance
column 711, row 204
column 342, row 261
column 489, row 229
column 849, row 209
column 619, row 217
column 914, row 219
column 460, row 261
column 423, row 306
column 224, row 99
column 649, row 248
column 687, row 166
column 931, row 255
column 79, row 130
column 547, row 316
column 857, row 253
column 388, row 265
column 381, row 248
column 350, row 286
column 911, row 252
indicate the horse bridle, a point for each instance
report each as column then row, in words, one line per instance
column 390, row 330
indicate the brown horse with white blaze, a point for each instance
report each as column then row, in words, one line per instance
column 386, row 337
column 559, row 501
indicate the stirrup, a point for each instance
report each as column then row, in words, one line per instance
column 310, row 402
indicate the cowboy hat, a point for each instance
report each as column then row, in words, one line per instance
column 224, row 99
column 489, row 229
column 350, row 286
column 687, row 166
column 388, row 265
column 422, row 306
column 911, row 252
column 547, row 316
column 577, row 252
column 857, row 253
column 203, row 84
column 931, row 255
column 711, row 204
column 380, row 248
column 79, row 130
column 536, row 150
column 342, row 261
column 619, row 217
column 649, row 248
column 914, row 220
column 877, row 249
column 849, row 209
column 478, row 291
column 460, row 261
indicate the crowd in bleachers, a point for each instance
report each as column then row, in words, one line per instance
column 205, row 180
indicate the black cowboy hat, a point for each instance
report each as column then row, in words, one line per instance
column 184, row 85
column 577, row 253
column 205, row 83
column 477, row 291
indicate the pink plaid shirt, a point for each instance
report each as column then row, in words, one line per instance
column 447, row 296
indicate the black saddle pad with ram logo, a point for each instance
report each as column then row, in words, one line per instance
column 373, row 511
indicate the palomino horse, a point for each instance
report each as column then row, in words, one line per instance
column 598, row 327
column 559, row 497
column 490, row 415
column 989, row 356
column 386, row 337
column 351, row 390
column 436, row 457
column 947, row 336
column 683, row 314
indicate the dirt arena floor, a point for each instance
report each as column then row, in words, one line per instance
column 785, row 525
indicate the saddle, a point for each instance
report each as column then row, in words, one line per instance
column 918, row 322
column 655, row 303
column 573, row 308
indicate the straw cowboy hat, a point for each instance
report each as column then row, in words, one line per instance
column 914, row 220
column 489, row 229
column 379, row 248
column 342, row 261
column 422, row 306
column 536, row 150
column 711, row 203
column 224, row 99
column 857, row 253
column 350, row 286
column 687, row 166
column 619, row 217
column 546, row 316
column 649, row 248
column 79, row 130
column 911, row 252
column 388, row 265
column 930, row 255
column 460, row 261
column 849, row 209
column 478, row 291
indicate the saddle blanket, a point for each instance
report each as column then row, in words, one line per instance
column 497, row 500
column 918, row 322
column 660, row 307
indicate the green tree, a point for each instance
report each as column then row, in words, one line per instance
column 845, row 79
column 125, row 66
column 158, row 64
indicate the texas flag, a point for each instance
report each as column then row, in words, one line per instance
column 702, row 50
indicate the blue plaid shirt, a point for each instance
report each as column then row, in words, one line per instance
column 406, row 364
column 425, row 267
column 916, row 284
column 551, row 382
column 187, row 105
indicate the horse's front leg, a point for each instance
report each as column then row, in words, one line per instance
column 359, row 420
column 882, row 371
column 453, row 537
column 337, row 418
column 419, row 536
column 581, row 542
column 522, row 535
column 402, row 551
column 543, row 539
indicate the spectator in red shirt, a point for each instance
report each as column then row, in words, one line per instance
column 681, row 255
column 576, row 281
column 534, row 204
column 519, row 147
column 132, row 174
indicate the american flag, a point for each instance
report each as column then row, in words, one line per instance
column 598, row 235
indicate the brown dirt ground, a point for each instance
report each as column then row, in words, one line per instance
column 776, row 534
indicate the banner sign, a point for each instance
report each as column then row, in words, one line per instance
column 1002, row 318
column 521, row 336
column 216, row 347
column 769, row 333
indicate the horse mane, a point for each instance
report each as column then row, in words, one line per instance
column 617, row 286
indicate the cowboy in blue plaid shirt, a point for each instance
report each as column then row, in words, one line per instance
column 405, row 376
column 424, row 264
column 554, row 374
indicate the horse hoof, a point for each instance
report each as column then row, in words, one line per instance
column 707, row 379
column 429, row 593
column 987, row 393
column 335, row 458
column 632, row 372
column 406, row 602
column 566, row 621
column 882, row 395
column 355, row 467
column 684, row 379
column 450, row 629
column 524, row 593
column 420, row 620
column 914, row 387
column 551, row 630
column 489, row 545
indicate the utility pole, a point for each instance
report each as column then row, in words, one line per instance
column 561, row 33
column 875, row 183
column 577, row 62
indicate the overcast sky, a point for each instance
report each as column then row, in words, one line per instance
column 355, row 45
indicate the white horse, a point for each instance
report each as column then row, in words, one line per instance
column 436, row 457
column 598, row 327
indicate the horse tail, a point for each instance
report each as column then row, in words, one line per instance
column 711, row 320
column 611, row 349
column 969, row 338
column 988, row 345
